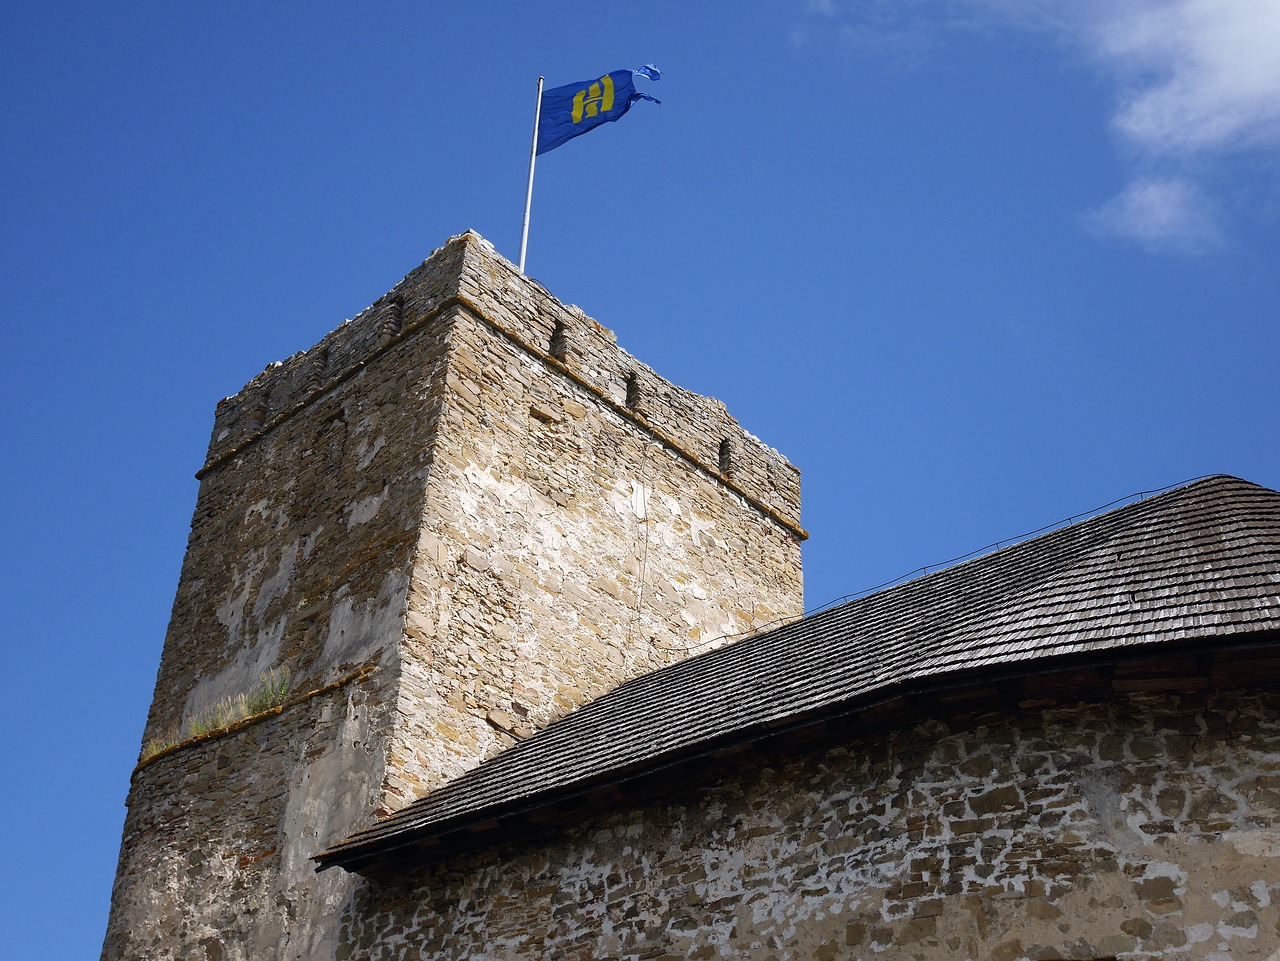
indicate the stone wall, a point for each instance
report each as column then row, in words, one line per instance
column 298, row 560
column 569, row 544
column 471, row 490
column 214, row 863
column 286, row 387
column 1144, row 826
column 467, row 270
column 313, row 509
column 300, row 544
column 694, row 425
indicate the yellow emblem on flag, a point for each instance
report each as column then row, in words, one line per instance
column 597, row 97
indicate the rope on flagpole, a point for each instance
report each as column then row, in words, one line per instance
column 528, row 194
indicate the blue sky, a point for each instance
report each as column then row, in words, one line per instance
column 973, row 265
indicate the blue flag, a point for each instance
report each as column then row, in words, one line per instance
column 567, row 112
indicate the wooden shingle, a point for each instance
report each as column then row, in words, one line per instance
column 1193, row 570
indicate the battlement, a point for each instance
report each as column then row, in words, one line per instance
column 468, row 273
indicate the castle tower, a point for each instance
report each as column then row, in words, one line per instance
column 456, row 518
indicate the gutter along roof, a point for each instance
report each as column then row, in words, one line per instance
column 1194, row 566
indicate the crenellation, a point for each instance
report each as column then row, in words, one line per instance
column 694, row 424
column 283, row 387
column 392, row 318
column 560, row 334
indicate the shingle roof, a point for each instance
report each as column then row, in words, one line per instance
column 1195, row 564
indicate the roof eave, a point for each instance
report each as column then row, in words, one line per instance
column 1206, row 661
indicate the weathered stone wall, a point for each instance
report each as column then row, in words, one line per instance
column 298, row 560
column 565, row 547
column 689, row 422
column 285, row 387
column 472, row 489
column 1145, row 826
column 214, row 864
column 300, row 543
column 313, row 491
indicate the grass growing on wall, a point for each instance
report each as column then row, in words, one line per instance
column 270, row 692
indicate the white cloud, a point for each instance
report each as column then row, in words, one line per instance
column 1199, row 79
column 1195, row 81
column 1161, row 214
column 1204, row 75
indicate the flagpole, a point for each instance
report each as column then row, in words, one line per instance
column 528, row 194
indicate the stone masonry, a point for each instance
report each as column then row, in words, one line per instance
column 1140, row 826
column 457, row 517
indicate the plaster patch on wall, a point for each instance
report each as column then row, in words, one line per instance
column 1163, row 869
column 639, row 500
column 276, row 517
column 1259, row 843
column 242, row 675
column 230, row 613
column 309, row 542
column 358, row 631
column 278, row 583
column 1106, row 809
column 1199, row 933
column 365, row 452
column 364, row 510
column 699, row 526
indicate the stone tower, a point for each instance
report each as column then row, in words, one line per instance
column 456, row 518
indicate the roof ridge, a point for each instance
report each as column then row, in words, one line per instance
column 1016, row 540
